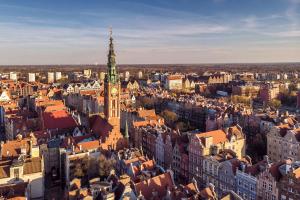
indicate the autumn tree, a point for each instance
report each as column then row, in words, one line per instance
column 169, row 116
column 105, row 166
column 275, row 103
column 78, row 171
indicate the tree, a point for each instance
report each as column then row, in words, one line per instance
column 105, row 166
column 169, row 116
column 147, row 102
column 275, row 103
column 78, row 171
column 293, row 87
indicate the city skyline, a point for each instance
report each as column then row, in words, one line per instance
column 150, row 32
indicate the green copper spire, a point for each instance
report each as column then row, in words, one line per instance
column 126, row 135
column 112, row 75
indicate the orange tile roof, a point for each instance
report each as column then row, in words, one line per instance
column 219, row 136
column 32, row 165
column 191, row 187
column 140, row 158
column 146, row 113
column 174, row 77
column 52, row 108
column 207, row 193
column 158, row 183
column 148, row 165
column 12, row 149
column 87, row 145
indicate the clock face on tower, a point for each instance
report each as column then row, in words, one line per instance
column 114, row 91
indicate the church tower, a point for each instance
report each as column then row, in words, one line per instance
column 112, row 89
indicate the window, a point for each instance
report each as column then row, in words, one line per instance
column 264, row 185
column 16, row 173
column 270, row 187
column 283, row 197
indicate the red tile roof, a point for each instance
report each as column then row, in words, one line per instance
column 60, row 119
column 100, row 126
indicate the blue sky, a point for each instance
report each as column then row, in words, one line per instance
column 149, row 31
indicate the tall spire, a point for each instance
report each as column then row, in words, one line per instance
column 112, row 75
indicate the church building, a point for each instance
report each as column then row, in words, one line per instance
column 107, row 127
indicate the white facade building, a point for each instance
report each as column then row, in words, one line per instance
column 13, row 76
column 31, row 77
column 57, row 76
column 50, row 77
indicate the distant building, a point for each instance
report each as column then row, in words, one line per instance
column 267, row 93
column 140, row 74
column 127, row 75
column 13, row 76
column 87, row 73
column 173, row 82
column 31, row 77
column 102, row 76
column 57, row 76
column 246, row 90
column 50, row 77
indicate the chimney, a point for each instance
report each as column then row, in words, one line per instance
column 80, row 147
column 30, row 147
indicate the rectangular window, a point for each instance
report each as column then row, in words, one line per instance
column 16, row 173
column 270, row 187
column 264, row 185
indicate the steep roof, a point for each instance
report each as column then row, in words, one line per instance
column 12, row 149
column 60, row 119
column 32, row 165
column 219, row 136
column 100, row 126
column 158, row 184
column 146, row 113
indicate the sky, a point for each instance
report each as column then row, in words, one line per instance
column 34, row 32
